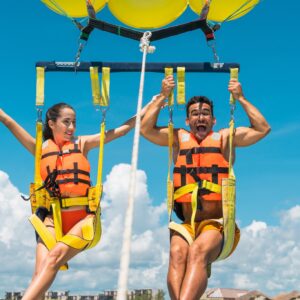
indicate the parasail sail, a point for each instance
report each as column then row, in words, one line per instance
column 149, row 14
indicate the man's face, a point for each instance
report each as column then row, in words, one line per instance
column 200, row 120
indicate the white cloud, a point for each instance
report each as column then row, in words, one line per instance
column 267, row 258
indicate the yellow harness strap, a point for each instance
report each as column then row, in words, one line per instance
column 170, row 187
column 180, row 85
column 169, row 71
column 228, row 188
column 193, row 188
column 45, row 235
column 105, row 86
column 40, row 86
column 95, row 85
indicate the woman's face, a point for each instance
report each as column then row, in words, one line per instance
column 64, row 127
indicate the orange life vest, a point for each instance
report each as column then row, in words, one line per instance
column 199, row 161
column 65, row 172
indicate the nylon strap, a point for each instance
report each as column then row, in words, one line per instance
column 40, row 86
column 189, row 188
column 38, row 153
column 228, row 205
column 45, row 235
column 228, row 187
column 170, row 187
column 233, row 75
column 57, row 219
column 105, row 86
column 101, row 150
column 76, row 201
column 182, row 230
column 95, row 85
column 169, row 71
column 180, row 85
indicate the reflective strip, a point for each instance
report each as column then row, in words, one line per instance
column 180, row 85
column 40, row 86
column 169, row 71
column 95, row 85
column 105, row 86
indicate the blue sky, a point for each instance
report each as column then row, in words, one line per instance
column 265, row 43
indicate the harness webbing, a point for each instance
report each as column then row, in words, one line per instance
column 180, row 85
column 228, row 187
column 157, row 34
column 40, row 86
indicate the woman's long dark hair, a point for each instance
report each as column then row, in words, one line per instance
column 52, row 114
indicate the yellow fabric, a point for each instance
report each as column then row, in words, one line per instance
column 234, row 72
column 213, row 187
column 182, row 230
column 221, row 10
column 170, row 187
column 147, row 14
column 38, row 153
column 68, row 202
column 200, row 227
column 57, row 220
column 228, row 205
column 45, row 235
column 95, row 85
column 180, row 85
column 74, row 8
column 105, row 86
column 154, row 13
column 101, row 152
column 228, row 189
column 40, row 86
column 193, row 188
column 169, row 71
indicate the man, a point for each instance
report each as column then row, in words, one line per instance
column 199, row 154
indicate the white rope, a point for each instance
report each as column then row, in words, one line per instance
column 125, row 253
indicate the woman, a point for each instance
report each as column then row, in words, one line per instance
column 58, row 135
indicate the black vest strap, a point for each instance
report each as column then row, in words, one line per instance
column 62, row 153
column 197, row 150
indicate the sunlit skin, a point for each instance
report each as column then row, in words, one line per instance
column 200, row 120
column 64, row 127
column 187, row 274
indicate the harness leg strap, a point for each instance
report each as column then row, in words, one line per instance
column 45, row 235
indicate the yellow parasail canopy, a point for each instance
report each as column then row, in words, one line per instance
column 153, row 13
column 73, row 8
column 221, row 10
column 147, row 13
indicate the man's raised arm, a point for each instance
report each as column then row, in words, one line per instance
column 259, row 127
column 149, row 128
